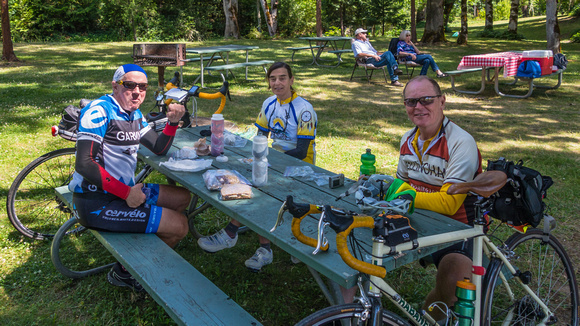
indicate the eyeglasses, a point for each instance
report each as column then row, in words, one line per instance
column 425, row 100
column 408, row 35
column 132, row 85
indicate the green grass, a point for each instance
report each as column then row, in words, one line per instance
column 543, row 130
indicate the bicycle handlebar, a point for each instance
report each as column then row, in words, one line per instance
column 341, row 222
column 194, row 91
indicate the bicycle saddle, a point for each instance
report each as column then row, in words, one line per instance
column 485, row 184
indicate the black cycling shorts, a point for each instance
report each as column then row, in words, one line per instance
column 107, row 212
column 465, row 248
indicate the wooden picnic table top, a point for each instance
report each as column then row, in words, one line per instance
column 221, row 48
column 260, row 212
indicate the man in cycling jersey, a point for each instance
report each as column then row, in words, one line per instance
column 434, row 155
column 105, row 195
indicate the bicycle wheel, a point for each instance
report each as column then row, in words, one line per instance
column 551, row 277
column 347, row 314
column 32, row 205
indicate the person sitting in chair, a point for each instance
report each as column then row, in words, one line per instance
column 362, row 48
column 409, row 52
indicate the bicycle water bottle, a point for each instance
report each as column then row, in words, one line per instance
column 368, row 163
column 217, row 134
column 464, row 307
column 260, row 161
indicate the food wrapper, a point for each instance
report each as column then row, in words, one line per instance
column 236, row 191
column 216, row 179
column 201, row 148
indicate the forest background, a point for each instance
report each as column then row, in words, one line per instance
column 198, row 20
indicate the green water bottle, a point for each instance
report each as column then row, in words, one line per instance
column 464, row 307
column 368, row 163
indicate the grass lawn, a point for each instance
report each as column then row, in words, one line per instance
column 543, row 131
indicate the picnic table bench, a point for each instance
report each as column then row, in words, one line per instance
column 298, row 48
column 186, row 295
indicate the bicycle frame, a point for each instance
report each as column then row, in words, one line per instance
column 482, row 246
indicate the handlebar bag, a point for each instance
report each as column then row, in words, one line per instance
column 395, row 229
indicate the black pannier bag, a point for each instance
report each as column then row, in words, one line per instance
column 520, row 201
column 67, row 127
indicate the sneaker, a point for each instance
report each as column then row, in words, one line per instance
column 396, row 83
column 217, row 242
column 118, row 277
column 261, row 258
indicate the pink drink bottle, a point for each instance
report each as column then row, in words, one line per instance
column 217, row 134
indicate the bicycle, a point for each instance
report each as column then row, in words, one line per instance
column 32, row 205
column 529, row 280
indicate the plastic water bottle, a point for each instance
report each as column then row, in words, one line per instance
column 217, row 134
column 464, row 307
column 368, row 163
column 260, row 161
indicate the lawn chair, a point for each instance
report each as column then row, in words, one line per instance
column 401, row 61
column 361, row 62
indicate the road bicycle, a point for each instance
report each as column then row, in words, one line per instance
column 32, row 205
column 530, row 279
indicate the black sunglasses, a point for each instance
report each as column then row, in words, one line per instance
column 132, row 85
column 425, row 100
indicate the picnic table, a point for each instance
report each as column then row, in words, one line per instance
column 495, row 62
column 320, row 43
column 213, row 53
column 187, row 298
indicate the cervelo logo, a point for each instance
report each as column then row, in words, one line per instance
column 93, row 118
column 116, row 213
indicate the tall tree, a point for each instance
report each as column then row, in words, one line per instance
column 7, row 46
column 462, row 38
column 434, row 29
column 513, row 23
column 552, row 26
column 488, row 15
column 413, row 22
column 271, row 15
column 318, row 18
column 231, row 12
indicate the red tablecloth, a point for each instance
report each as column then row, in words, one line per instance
column 508, row 60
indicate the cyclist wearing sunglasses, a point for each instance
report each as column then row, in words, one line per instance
column 434, row 155
column 105, row 195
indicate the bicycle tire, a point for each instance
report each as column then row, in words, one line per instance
column 552, row 279
column 348, row 314
column 32, row 205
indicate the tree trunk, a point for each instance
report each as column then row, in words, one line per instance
column 258, row 16
column 552, row 26
column 447, row 7
column 271, row 15
column 513, row 24
column 413, row 22
column 488, row 15
column 231, row 12
column 434, row 29
column 318, row 18
column 7, row 46
column 462, row 39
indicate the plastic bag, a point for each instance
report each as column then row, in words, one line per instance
column 234, row 140
column 186, row 165
column 216, row 179
column 186, row 153
column 307, row 174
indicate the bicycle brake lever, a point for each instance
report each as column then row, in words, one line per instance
column 322, row 240
column 280, row 219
